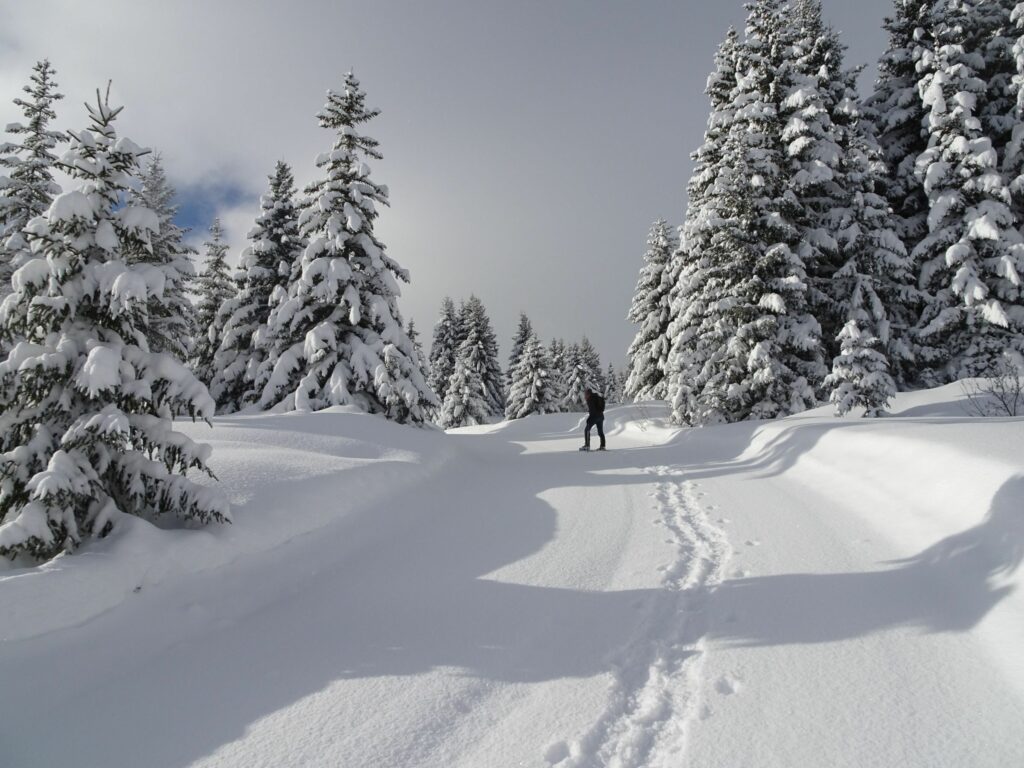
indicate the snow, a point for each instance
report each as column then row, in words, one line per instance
column 101, row 370
column 785, row 594
column 71, row 205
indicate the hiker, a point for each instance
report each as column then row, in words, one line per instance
column 595, row 417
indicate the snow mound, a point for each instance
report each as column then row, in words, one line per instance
column 286, row 475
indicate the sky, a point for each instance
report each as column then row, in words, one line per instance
column 528, row 146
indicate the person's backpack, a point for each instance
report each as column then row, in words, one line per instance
column 600, row 403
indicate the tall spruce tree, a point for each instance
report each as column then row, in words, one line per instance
column 613, row 385
column 86, row 410
column 556, row 355
column 170, row 312
column 972, row 258
column 856, row 264
column 756, row 346
column 523, row 333
column 246, row 341
column 689, row 266
column 531, row 389
column 444, row 348
column 214, row 287
column 478, row 333
column 898, row 114
column 26, row 170
column 347, row 341
column 648, row 353
column 1013, row 162
column 592, row 361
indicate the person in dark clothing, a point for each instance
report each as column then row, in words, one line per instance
column 595, row 418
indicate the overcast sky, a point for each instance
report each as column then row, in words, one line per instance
column 528, row 145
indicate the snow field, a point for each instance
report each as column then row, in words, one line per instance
column 804, row 592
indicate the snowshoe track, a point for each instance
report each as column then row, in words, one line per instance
column 655, row 691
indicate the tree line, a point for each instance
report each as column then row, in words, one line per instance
column 467, row 376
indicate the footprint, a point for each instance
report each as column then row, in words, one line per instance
column 706, row 712
column 727, row 685
column 724, row 520
column 556, row 753
column 753, row 543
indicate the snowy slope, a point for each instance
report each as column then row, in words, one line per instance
column 804, row 592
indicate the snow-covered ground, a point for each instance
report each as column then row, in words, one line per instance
column 806, row 592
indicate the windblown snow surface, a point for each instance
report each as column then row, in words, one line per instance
column 803, row 593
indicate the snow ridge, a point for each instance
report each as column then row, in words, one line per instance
column 655, row 691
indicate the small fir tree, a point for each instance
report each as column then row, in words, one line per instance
column 556, row 356
column 531, row 390
column 214, row 288
column 26, row 170
column 612, row 386
column 464, row 403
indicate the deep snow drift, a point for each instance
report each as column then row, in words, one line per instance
column 804, row 592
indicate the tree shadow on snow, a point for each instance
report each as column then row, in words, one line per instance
column 409, row 589
column 949, row 587
column 404, row 591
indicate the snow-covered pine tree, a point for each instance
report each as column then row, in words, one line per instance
column 444, row 348
column 996, row 30
column 898, row 114
column 522, row 335
column 648, row 353
column 575, row 379
column 476, row 329
column 421, row 356
column 170, row 314
column 347, row 341
column 592, row 361
column 26, row 170
column 857, row 265
column 556, row 356
column 86, row 410
column 761, row 345
column 246, row 341
column 464, row 403
column 214, row 288
column 612, row 385
column 1013, row 162
column 973, row 256
column 688, row 267
column 531, row 390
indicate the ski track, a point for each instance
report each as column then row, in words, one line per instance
column 657, row 679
